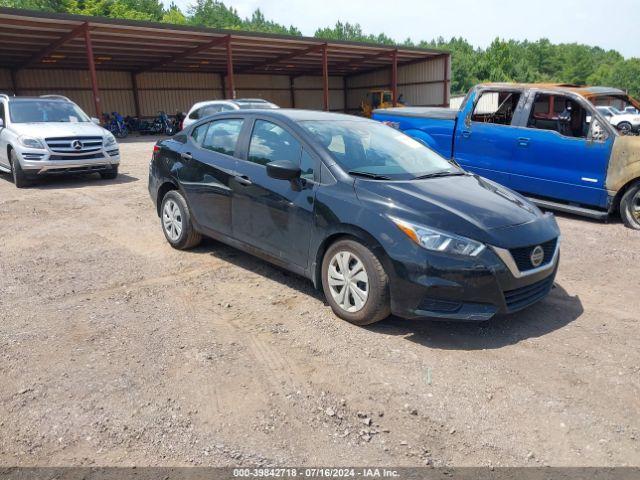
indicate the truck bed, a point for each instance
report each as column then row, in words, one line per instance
column 439, row 113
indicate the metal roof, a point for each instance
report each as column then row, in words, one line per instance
column 32, row 39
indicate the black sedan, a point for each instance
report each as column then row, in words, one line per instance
column 383, row 223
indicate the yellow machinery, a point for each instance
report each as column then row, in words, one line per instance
column 377, row 99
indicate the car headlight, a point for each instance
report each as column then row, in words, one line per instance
column 31, row 142
column 109, row 140
column 439, row 241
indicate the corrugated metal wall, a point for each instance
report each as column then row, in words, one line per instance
column 172, row 92
column 420, row 83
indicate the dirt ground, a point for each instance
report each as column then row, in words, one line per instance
column 116, row 349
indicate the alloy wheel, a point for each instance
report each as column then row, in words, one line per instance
column 172, row 220
column 635, row 206
column 348, row 281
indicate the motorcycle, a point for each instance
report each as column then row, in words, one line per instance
column 162, row 125
column 117, row 125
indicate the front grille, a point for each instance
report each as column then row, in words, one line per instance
column 522, row 255
column 91, row 156
column 524, row 296
column 71, row 145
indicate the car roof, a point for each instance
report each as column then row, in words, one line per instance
column 298, row 115
column 39, row 99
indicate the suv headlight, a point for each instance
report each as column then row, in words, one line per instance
column 109, row 141
column 437, row 240
column 31, row 142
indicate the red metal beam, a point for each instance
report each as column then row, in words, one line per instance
column 284, row 58
column 83, row 27
column 136, row 98
column 230, row 80
column 187, row 53
column 325, row 77
column 394, row 78
column 92, row 72
column 445, row 87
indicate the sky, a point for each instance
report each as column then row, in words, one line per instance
column 593, row 22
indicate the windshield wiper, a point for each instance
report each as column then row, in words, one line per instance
column 375, row 176
column 444, row 173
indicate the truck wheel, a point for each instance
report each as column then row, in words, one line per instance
column 355, row 283
column 110, row 174
column 625, row 128
column 630, row 207
column 175, row 219
column 20, row 179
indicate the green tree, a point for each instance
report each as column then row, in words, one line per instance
column 258, row 23
column 215, row 14
column 174, row 15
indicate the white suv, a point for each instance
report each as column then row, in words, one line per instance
column 209, row 107
column 51, row 135
column 624, row 121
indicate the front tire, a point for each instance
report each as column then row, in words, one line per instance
column 355, row 283
column 630, row 206
column 176, row 223
column 20, row 179
column 625, row 128
column 110, row 174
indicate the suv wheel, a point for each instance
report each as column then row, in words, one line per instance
column 625, row 128
column 630, row 207
column 110, row 174
column 355, row 283
column 176, row 222
column 20, row 179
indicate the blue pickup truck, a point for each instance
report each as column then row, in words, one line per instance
column 546, row 141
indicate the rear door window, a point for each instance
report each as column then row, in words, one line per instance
column 495, row 107
column 220, row 136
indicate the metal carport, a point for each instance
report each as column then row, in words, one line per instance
column 138, row 67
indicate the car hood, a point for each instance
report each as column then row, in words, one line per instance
column 58, row 129
column 468, row 205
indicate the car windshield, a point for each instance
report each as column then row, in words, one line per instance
column 376, row 150
column 30, row 111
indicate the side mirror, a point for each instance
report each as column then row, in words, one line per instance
column 95, row 120
column 283, row 170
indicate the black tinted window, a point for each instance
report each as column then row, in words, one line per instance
column 269, row 142
column 222, row 136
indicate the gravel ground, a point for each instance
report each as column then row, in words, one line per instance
column 116, row 349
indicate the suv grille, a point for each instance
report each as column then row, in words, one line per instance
column 522, row 297
column 73, row 145
column 522, row 256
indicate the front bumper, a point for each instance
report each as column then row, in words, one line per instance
column 36, row 163
column 468, row 288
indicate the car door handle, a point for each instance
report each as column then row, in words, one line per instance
column 243, row 180
column 466, row 133
column 186, row 156
column 523, row 142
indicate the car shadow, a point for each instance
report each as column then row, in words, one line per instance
column 553, row 313
column 74, row 181
column 258, row 266
column 142, row 138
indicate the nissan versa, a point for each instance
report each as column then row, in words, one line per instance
column 382, row 222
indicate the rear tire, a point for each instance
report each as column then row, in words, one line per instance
column 175, row 220
column 625, row 128
column 355, row 283
column 110, row 174
column 20, row 179
column 630, row 207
